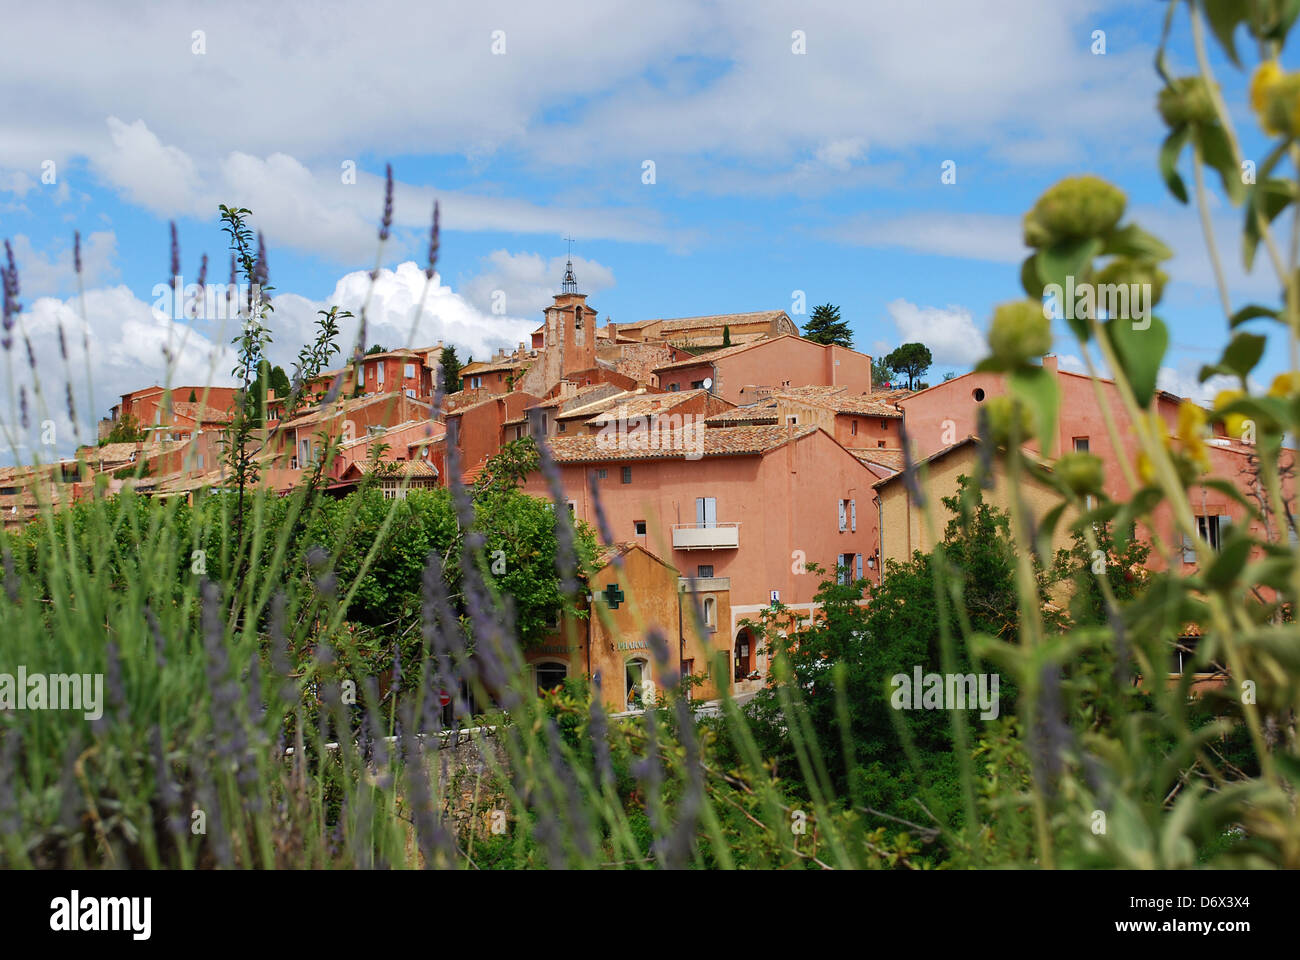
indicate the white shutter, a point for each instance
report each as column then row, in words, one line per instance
column 1189, row 550
column 842, row 517
column 853, row 515
column 859, row 558
column 379, row 373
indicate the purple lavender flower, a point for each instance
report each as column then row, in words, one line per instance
column 12, row 308
column 176, row 256
column 387, row 222
column 433, row 245
column 22, row 406
column 909, row 470
column 76, row 251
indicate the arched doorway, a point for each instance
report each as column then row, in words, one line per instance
column 744, row 654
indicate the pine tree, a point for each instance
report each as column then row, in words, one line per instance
column 825, row 326
column 450, row 370
column 726, row 335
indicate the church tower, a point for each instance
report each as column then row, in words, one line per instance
column 571, row 328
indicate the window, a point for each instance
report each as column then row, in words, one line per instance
column 560, row 426
column 550, row 675
column 379, row 374
column 1081, row 444
column 853, row 428
column 602, row 474
column 573, row 508
column 688, row 668
column 978, row 394
column 409, row 370
column 710, row 612
column 880, row 443
column 674, row 387
column 848, row 567
column 848, row 515
column 577, row 318
column 635, row 677
column 792, row 420
column 704, row 570
column 697, row 384
column 706, row 512
column 475, row 382
column 1212, row 529
column 410, row 393
column 884, row 424
column 640, row 528
column 627, row 474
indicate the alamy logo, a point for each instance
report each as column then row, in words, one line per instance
column 1086, row 301
column 679, row 432
column 53, row 691
column 946, row 691
column 75, row 913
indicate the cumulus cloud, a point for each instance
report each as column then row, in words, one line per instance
column 949, row 332
column 122, row 343
column 44, row 275
column 160, row 178
column 116, row 346
column 522, row 284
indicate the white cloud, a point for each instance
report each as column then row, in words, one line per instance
column 128, row 345
column 719, row 82
column 158, row 177
column 43, row 275
column 523, row 284
column 974, row 236
column 949, row 332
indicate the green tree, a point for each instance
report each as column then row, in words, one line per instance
column 880, row 372
column 726, row 335
column 450, row 369
column 126, row 430
column 376, row 348
column 911, row 360
column 825, row 326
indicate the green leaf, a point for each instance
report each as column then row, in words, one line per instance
column 1241, row 355
column 1038, row 390
column 1066, row 258
column 1133, row 241
column 1252, row 312
column 1232, row 557
column 1169, row 152
column 1269, row 198
column 1139, row 352
column 1224, row 16
column 1029, row 278
column 1216, row 152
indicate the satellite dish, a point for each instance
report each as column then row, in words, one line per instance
column 708, row 383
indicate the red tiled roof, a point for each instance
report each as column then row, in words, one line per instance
column 665, row 444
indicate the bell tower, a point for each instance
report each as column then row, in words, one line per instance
column 571, row 326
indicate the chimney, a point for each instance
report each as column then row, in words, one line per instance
column 1049, row 362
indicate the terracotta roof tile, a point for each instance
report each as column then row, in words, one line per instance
column 666, row 444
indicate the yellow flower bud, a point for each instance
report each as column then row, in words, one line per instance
column 1266, row 76
column 1234, row 424
column 1284, row 385
column 1192, row 422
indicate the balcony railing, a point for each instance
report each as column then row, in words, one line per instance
column 697, row 536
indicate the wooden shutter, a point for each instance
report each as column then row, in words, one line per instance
column 859, row 559
column 853, row 515
column 842, row 517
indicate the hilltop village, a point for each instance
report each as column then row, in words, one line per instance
column 727, row 453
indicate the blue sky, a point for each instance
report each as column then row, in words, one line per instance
column 775, row 171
